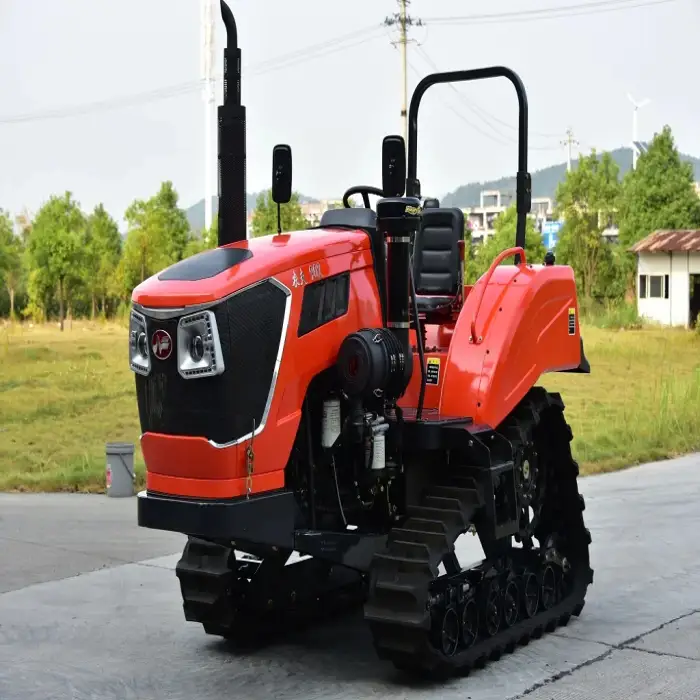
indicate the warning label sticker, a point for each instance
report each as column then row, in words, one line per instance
column 432, row 373
column 572, row 321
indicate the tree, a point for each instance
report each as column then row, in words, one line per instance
column 208, row 239
column 504, row 237
column 102, row 252
column 158, row 236
column 658, row 194
column 265, row 215
column 10, row 258
column 55, row 246
column 171, row 221
column 470, row 269
column 587, row 200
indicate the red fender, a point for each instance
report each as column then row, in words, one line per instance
column 518, row 323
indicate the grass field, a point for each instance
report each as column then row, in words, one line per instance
column 64, row 395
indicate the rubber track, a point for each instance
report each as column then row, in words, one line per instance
column 216, row 593
column 398, row 606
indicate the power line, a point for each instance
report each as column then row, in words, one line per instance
column 323, row 44
column 477, row 109
column 328, row 47
column 108, row 104
column 461, row 116
column 499, row 137
column 334, row 48
column 293, row 58
column 590, row 8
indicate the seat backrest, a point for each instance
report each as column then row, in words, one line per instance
column 436, row 256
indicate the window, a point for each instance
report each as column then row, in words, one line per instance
column 654, row 286
column 324, row 301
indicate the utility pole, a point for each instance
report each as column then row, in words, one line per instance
column 569, row 142
column 403, row 21
column 208, row 38
column 635, row 136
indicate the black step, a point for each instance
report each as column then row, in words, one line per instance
column 436, row 540
column 466, row 496
column 442, row 503
column 396, row 562
column 411, row 549
column 425, row 525
column 451, row 519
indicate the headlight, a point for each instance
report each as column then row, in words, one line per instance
column 139, row 356
column 198, row 346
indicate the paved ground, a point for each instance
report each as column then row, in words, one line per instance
column 90, row 608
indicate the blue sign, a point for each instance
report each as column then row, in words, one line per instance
column 550, row 233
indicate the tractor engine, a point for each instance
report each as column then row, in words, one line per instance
column 354, row 433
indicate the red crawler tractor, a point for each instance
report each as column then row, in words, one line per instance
column 340, row 392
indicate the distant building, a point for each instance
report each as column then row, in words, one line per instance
column 668, row 277
column 494, row 202
column 313, row 211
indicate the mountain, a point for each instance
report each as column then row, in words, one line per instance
column 195, row 213
column 544, row 182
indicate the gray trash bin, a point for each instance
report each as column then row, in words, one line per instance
column 120, row 476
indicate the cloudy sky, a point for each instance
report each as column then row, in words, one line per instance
column 101, row 97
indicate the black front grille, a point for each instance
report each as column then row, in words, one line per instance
column 220, row 408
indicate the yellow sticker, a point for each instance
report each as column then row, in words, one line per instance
column 572, row 321
column 432, row 374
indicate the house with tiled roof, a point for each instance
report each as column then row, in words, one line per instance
column 668, row 277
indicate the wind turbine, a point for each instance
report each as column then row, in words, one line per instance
column 636, row 145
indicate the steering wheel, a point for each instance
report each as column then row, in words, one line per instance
column 365, row 191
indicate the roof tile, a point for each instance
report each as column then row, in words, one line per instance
column 665, row 241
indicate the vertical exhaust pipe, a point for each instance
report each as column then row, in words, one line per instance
column 233, row 217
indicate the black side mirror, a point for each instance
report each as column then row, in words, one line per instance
column 393, row 166
column 281, row 174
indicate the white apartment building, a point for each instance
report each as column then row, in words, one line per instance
column 495, row 202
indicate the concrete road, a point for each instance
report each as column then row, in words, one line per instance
column 90, row 608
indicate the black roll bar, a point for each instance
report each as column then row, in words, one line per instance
column 523, row 180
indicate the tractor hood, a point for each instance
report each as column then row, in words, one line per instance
column 214, row 274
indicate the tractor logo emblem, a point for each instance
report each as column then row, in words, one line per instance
column 162, row 344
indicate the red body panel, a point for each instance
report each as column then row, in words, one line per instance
column 523, row 321
column 192, row 466
column 272, row 256
column 523, row 330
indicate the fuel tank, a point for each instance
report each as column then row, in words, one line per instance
column 224, row 344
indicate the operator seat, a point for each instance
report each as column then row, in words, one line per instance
column 437, row 263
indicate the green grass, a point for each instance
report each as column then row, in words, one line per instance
column 64, row 395
column 641, row 401
column 611, row 316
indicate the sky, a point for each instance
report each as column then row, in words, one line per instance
column 103, row 98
